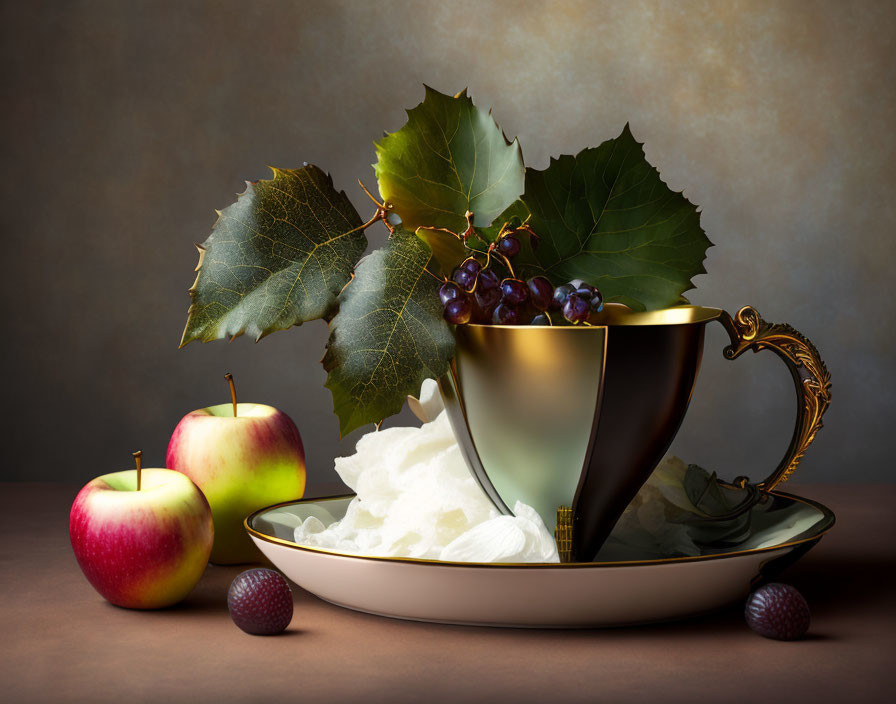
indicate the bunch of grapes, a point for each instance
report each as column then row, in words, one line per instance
column 477, row 294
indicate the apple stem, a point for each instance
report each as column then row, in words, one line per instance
column 229, row 378
column 137, row 458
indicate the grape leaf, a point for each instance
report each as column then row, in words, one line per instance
column 516, row 211
column 389, row 334
column 605, row 216
column 448, row 250
column 277, row 257
column 450, row 157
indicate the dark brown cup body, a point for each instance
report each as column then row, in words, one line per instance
column 650, row 374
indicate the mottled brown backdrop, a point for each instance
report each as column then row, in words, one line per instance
column 125, row 124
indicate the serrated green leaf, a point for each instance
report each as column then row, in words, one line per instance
column 605, row 216
column 450, row 157
column 277, row 257
column 515, row 212
column 389, row 334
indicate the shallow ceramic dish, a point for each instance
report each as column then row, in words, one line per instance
column 625, row 590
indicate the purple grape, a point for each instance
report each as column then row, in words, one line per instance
column 509, row 246
column 540, row 319
column 514, row 291
column 488, row 279
column 505, row 314
column 597, row 301
column 459, row 311
column 449, row 292
column 576, row 309
column 484, row 302
column 540, row 292
column 777, row 611
column 464, row 278
column 471, row 265
column 260, row 602
column 481, row 315
column 487, row 298
column 561, row 293
column 586, row 291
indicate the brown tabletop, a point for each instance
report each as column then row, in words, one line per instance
column 61, row 642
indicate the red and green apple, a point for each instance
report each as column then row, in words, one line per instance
column 143, row 543
column 244, row 457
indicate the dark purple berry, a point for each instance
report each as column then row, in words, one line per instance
column 514, row 291
column 586, row 291
column 260, row 602
column 471, row 265
column 561, row 293
column 465, row 279
column 540, row 319
column 481, row 315
column 509, row 246
column 459, row 311
column 449, row 292
column 488, row 279
column 505, row 314
column 597, row 301
column 484, row 302
column 576, row 309
column 488, row 297
column 540, row 292
column 778, row 611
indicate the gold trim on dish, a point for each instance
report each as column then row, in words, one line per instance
column 827, row 515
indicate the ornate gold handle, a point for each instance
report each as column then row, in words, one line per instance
column 810, row 376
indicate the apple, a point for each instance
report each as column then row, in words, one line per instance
column 142, row 537
column 244, row 457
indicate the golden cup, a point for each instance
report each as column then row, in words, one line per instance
column 573, row 419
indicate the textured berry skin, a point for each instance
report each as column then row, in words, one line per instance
column 260, row 602
column 778, row 611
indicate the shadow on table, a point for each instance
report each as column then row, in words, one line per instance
column 210, row 595
column 829, row 582
column 857, row 581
